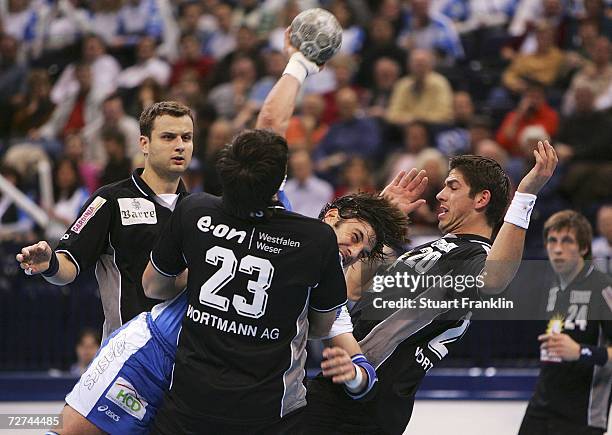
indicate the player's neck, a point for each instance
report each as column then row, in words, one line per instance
column 567, row 278
column 476, row 229
column 157, row 183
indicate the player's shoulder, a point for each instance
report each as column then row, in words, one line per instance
column 201, row 200
column 469, row 243
column 118, row 189
column 598, row 278
column 298, row 223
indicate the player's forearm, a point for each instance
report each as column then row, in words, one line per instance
column 158, row 286
column 279, row 105
column 66, row 272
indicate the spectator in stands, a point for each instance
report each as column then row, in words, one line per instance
column 86, row 348
column 191, row 59
column 247, row 45
column 341, row 70
column 147, row 65
column 597, row 75
column 20, row 20
column 80, row 108
column 33, row 109
column 454, row 139
column 602, row 245
column 424, row 95
column 352, row 35
column 114, row 118
column 433, row 32
column 104, row 19
column 13, row 75
column 74, row 150
column 379, row 44
column 69, row 195
column 544, row 65
column 352, row 135
column 138, row 18
column 479, row 128
column 586, row 134
column 253, row 14
column 513, row 166
column 436, row 165
column 193, row 21
column 276, row 38
column 230, row 97
column 219, row 134
column 531, row 110
column 147, row 93
column 222, row 40
column 118, row 166
column 61, row 24
column 275, row 65
column 416, row 139
column 307, row 129
column 386, row 74
column 355, row 176
column 306, row 192
column 104, row 69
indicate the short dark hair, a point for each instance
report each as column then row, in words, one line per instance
column 88, row 332
column 172, row 108
column 390, row 224
column 251, row 168
column 571, row 219
column 482, row 173
column 111, row 134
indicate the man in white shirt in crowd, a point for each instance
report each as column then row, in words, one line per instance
column 306, row 192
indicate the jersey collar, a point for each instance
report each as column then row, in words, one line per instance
column 470, row 237
column 147, row 191
column 586, row 271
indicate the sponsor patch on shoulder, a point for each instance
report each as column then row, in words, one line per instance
column 89, row 212
column 127, row 398
column 137, row 211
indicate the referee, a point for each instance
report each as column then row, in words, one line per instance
column 572, row 395
column 119, row 224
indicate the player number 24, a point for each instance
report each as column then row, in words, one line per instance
column 248, row 265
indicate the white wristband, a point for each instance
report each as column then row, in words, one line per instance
column 300, row 67
column 354, row 384
column 520, row 209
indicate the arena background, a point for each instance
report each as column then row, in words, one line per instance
column 75, row 74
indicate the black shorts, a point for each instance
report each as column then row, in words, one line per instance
column 533, row 425
column 331, row 412
column 288, row 425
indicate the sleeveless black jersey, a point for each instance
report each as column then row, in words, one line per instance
column 241, row 354
column 578, row 391
column 403, row 346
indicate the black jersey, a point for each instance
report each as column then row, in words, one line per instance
column 577, row 391
column 116, row 231
column 403, row 348
column 240, row 354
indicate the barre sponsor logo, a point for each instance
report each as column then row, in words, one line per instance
column 89, row 212
column 135, row 211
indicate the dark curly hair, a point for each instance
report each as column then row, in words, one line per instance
column 252, row 168
column 390, row 224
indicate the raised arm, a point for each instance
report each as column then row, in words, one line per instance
column 506, row 252
column 279, row 105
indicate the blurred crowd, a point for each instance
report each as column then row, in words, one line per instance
column 415, row 83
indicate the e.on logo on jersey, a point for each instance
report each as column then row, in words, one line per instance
column 221, row 231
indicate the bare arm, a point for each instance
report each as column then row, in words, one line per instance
column 36, row 259
column 158, row 286
column 507, row 250
column 279, row 105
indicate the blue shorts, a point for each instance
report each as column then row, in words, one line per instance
column 124, row 385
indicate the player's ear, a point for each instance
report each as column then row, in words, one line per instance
column 482, row 199
column 331, row 216
column 144, row 144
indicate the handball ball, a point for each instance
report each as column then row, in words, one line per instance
column 317, row 34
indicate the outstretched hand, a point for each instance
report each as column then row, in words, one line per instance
column 406, row 189
column 35, row 258
column 545, row 163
